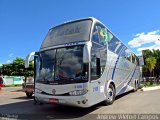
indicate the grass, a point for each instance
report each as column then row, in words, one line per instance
column 12, row 85
column 150, row 84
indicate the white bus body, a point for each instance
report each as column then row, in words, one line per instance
column 81, row 63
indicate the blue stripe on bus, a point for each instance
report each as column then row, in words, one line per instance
column 132, row 75
column 125, row 87
column 115, row 67
column 117, row 62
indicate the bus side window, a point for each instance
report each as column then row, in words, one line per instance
column 98, row 66
column 128, row 55
column 100, row 38
column 137, row 60
column 133, row 59
column 95, row 65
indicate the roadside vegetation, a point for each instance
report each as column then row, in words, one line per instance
column 150, row 84
column 16, row 68
column 151, row 67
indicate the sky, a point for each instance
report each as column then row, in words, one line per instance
column 25, row 23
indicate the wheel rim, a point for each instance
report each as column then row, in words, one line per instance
column 110, row 94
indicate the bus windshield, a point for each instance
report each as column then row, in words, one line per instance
column 68, row 33
column 62, row 65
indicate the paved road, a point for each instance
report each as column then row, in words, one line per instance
column 14, row 102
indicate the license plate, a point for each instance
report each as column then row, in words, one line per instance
column 53, row 100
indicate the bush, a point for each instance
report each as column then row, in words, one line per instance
column 148, row 83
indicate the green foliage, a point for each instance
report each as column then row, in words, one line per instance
column 16, row 68
column 148, row 84
column 151, row 62
column 148, row 54
column 145, row 68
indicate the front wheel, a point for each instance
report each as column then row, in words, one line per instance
column 135, row 86
column 110, row 95
column 29, row 95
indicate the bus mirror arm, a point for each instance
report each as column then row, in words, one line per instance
column 87, row 53
column 28, row 59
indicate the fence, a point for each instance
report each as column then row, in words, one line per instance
column 13, row 80
column 150, row 80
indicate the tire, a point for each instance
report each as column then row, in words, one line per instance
column 29, row 95
column 139, row 84
column 110, row 95
column 135, row 86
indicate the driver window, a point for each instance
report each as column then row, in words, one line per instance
column 98, row 51
column 95, row 65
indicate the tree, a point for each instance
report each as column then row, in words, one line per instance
column 151, row 62
column 16, row 68
column 148, row 54
column 156, row 55
column 6, row 69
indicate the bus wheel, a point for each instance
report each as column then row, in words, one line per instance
column 110, row 95
column 29, row 95
column 135, row 86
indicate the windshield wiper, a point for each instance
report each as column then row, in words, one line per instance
column 44, row 81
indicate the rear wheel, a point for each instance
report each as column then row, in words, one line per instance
column 110, row 95
column 29, row 95
column 135, row 86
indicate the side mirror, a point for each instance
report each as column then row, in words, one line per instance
column 28, row 59
column 87, row 53
column 141, row 60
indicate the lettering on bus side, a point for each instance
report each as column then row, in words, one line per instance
column 78, row 87
column 95, row 89
column 69, row 32
column 70, row 44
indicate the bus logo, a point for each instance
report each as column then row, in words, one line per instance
column 54, row 91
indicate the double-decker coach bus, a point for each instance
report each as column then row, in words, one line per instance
column 81, row 63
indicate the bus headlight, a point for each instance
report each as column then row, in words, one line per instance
column 38, row 91
column 78, row 92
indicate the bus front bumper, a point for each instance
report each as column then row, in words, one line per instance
column 78, row 101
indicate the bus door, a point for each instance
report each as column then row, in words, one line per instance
column 96, row 72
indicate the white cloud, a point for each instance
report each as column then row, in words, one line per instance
column 155, row 47
column 10, row 55
column 142, row 38
column 8, row 61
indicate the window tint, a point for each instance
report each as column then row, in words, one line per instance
column 69, row 63
column 123, row 51
column 101, row 35
column 103, row 58
column 68, row 33
column 95, row 64
column 133, row 59
column 46, row 72
column 115, row 45
column 61, row 64
column 137, row 61
column 98, row 61
column 128, row 55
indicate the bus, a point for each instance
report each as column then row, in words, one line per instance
column 82, row 63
